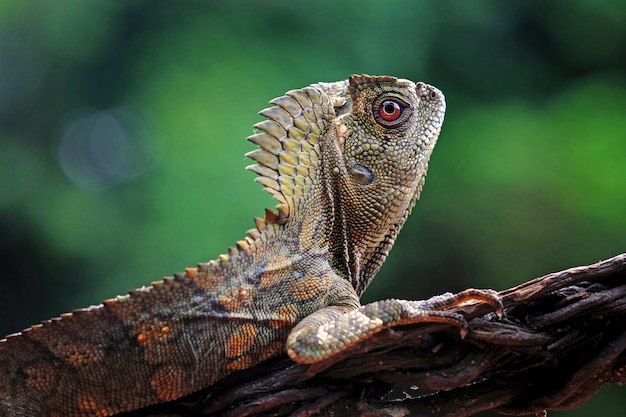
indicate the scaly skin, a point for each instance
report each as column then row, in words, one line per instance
column 346, row 162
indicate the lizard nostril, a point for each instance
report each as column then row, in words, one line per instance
column 362, row 175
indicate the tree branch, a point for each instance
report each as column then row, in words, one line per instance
column 564, row 336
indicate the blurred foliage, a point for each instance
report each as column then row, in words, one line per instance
column 122, row 127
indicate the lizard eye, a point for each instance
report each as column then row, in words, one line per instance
column 390, row 111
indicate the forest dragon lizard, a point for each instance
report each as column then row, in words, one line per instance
column 346, row 162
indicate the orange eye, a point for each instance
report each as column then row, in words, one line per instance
column 390, row 110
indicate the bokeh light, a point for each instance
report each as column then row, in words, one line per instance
column 104, row 148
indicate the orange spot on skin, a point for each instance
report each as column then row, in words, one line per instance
column 248, row 360
column 152, row 332
column 77, row 359
column 275, row 271
column 41, row 376
column 285, row 315
column 153, row 338
column 81, row 355
column 241, row 341
column 169, row 383
column 191, row 272
column 272, row 350
column 269, row 279
column 89, row 403
column 235, row 299
column 311, row 287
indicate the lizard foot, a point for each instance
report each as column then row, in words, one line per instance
column 334, row 329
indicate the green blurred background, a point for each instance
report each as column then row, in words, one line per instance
column 122, row 129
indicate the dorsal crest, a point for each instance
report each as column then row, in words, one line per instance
column 287, row 160
column 357, row 83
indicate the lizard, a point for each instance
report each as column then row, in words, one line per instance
column 346, row 162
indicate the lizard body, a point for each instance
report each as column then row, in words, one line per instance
column 346, row 162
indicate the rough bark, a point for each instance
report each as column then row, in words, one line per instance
column 563, row 336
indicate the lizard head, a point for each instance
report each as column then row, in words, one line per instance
column 346, row 162
column 384, row 135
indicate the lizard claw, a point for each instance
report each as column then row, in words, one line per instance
column 434, row 309
column 486, row 296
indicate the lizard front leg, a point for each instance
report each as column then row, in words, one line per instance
column 334, row 329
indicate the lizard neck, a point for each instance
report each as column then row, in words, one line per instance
column 359, row 241
column 367, row 214
column 364, row 221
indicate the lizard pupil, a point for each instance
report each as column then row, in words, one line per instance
column 390, row 110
